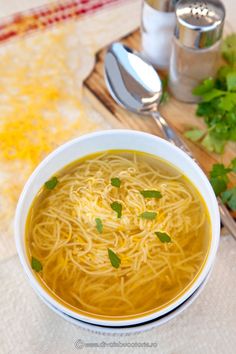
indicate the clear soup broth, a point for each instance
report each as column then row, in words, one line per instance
column 118, row 234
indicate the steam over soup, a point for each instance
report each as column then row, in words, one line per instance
column 117, row 234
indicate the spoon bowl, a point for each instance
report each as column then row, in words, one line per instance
column 132, row 82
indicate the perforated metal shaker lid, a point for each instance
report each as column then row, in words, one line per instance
column 162, row 5
column 199, row 23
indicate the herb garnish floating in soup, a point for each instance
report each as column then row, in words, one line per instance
column 117, row 234
column 99, row 225
column 149, row 215
column 115, row 182
column 151, row 194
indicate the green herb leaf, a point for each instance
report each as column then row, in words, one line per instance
column 194, row 134
column 36, row 264
column 229, row 197
column 148, row 215
column 213, row 144
column 218, row 106
column 219, row 178
column 117, row 207
column 51, row 184
column 99, row 225
column 227, row 102
column 219, row 170
column 219, row 185
column 114, row 259
column 231, row 81
column 116, row 182
column 229, row 48
column 209, row 96
column 163, row 237
column 206, row 86
column 151, row 194
column 233, row 165
column 165, row 95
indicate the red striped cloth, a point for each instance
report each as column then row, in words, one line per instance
column 48, row 15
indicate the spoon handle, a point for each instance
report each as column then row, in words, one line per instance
column 173, row 138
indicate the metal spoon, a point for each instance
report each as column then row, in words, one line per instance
column 135, row 85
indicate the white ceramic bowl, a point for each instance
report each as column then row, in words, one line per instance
column 115, row 140
column 134, row 328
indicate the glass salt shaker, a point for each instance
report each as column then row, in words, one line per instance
column 196, row 46
column 157, row 28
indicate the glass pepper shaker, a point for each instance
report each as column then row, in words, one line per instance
column 157, row 27
column 196, row 46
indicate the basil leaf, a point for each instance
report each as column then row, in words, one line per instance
column 36, row 264
column 117, row 207
column 148, row 215
column 114, row 259
column 151, row 194
column 51, row 184
column 99, row 225
column 116, row 182
column 163, row 237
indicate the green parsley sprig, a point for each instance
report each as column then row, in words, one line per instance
column 218, row 105
column 219, row 178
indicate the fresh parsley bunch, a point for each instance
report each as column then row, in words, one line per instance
column 219, row 178
column 218, row 105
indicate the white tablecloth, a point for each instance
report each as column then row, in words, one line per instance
column 208, row 326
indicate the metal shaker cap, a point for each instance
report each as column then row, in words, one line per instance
column 199, row 23
column 162, row 5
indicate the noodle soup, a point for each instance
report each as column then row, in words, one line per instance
column 118, row 235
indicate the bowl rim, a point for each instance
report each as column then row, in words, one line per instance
column 20, row 244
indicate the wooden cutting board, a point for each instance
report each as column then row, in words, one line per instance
column 181, row 116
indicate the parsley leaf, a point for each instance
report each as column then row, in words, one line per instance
column 194, row 134
column 229, row 48
column 165, row 94
column 210, row 95
column 148, row 215
column 151, row 194
column 51, row 184
column 229, row 197
column 36, row 264
column 233, row 165
column 219, row 178
column 213, row 144
column 205, row 86
column 231, row 81
column 218, row 184
column 117, row 207
column 163, row 237
column 218, row 105
column 99, row 225
column 114, row 259
column 219, row 170
column 116, row 182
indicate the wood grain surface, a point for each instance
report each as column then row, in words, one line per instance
column 180, row 116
